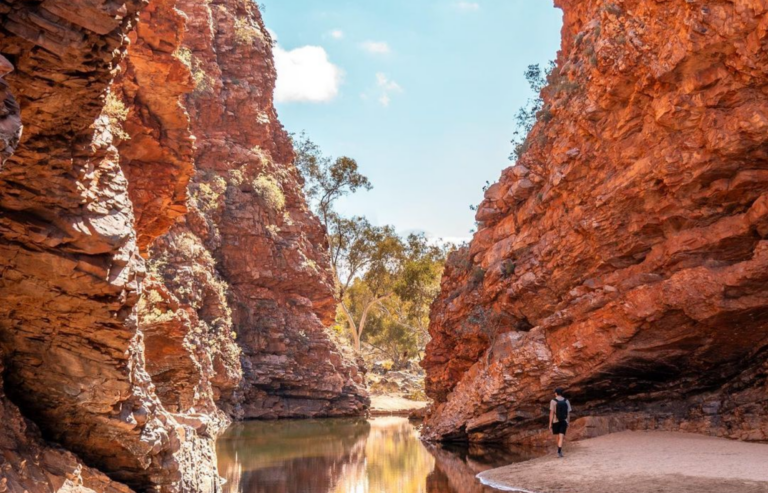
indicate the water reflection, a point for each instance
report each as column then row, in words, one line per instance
column 380, row 455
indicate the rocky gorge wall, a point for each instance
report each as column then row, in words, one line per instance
column 161, row 272
column 250, row 213
column 624, row 256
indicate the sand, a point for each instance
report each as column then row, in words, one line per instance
column 388, row 405
column 642, row 462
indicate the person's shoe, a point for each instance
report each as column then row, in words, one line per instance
column 560, row 454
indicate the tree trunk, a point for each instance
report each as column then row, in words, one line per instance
column 357, row 330
column 364, row 317
column 352, row 327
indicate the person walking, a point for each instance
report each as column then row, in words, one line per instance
column 559, row 412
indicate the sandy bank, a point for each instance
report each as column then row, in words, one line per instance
column 388, row 405
column 642, row 462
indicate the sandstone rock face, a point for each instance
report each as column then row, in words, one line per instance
column 74, row 359
column 249, row 212
column 29, row 464
column 10, row 115
column 189, row 353
column 127, row 283
column 157, row 155
column 624, row 257
column 71, row 268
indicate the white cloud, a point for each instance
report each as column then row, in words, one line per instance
column 386, row 84
column 337, row 34
column 387, row 88
column 306, row 75
column 377, row 47
column 272, row 34
column 468, row 6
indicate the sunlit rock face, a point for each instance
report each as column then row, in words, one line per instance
column 73, row 355
column 126, row 283
column 624, row 257
column 249, row 212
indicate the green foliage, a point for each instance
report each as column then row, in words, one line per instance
column 326, row 179
column 184, row 55
column 477, row 277
column 267, row 188
column 527, row 115
column 236, row 177
column 395, row 293
column 203, row 82
column 208, row 191
column 508, row 268
column 487, row 185
column 386, row 282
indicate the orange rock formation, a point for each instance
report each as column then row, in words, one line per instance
column 624, row 257
column 154, row 243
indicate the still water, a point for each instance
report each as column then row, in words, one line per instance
column 380, row 455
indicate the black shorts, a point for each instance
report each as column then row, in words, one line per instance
column 559, row 428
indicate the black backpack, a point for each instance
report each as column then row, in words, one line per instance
column 561, row 410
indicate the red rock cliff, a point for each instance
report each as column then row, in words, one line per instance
column 130, row 365
column 71, row 278
column 250, row 213
column 624, row 257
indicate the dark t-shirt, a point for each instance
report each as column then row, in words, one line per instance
column 553, row 407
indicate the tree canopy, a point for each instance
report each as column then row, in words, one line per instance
column 385, row 282
column 326, row 179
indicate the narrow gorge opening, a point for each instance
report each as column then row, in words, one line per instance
column 176, row 258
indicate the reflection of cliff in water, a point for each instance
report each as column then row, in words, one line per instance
column 291, row 456
column 456, row 466
column 348, row 455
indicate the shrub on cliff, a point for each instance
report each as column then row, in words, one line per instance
column 116, row 112
column 527, row 115
column 245, row 32
column 203, row 82
column 267, row 188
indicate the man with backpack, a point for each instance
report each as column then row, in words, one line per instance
column 559, row 411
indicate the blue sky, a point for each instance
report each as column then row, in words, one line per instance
column 422, row 93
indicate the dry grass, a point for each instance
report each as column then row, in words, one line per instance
column 267, row 188
column 116, row 112
column 245, row 32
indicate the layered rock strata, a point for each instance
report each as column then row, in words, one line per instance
column 126, row 282
column 250, row 213
column 30, row 464
column 155, row 142
column 624, row 256
column 71, row 267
